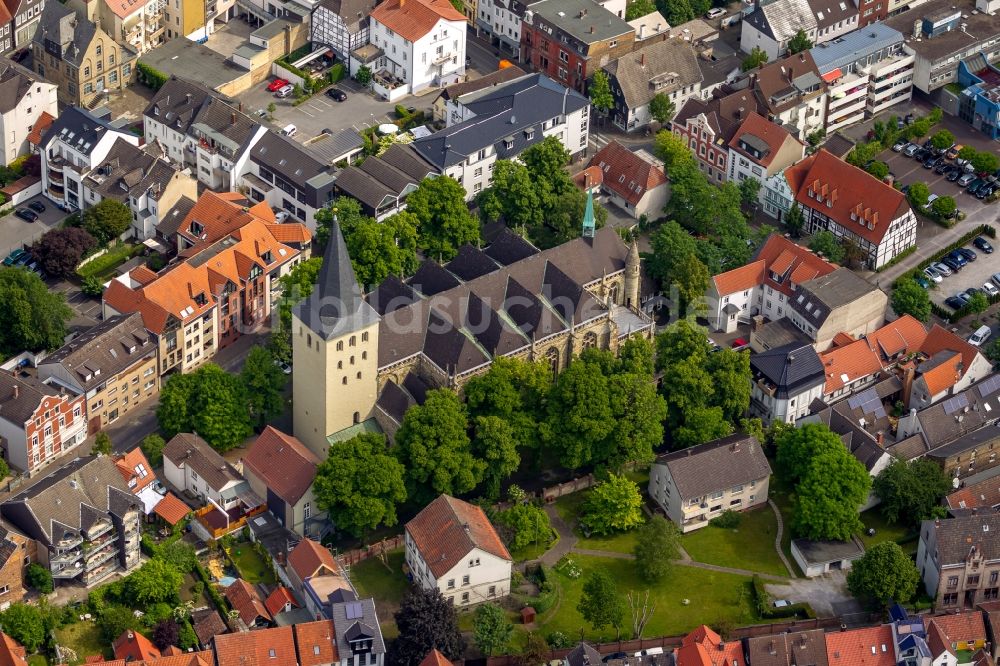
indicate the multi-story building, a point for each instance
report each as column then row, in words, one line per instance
column 959, row 560
column 84, row 519
column 762, row 150
column 71, row 148
column 16, row 552
column 866, row 72
column 24, row 97
column 772, row 25
column 113, row 365
column 568, row 40
column 189, row 18
column 979, row 104
column 38, row 422
column 852, row 204
column 633, row 182
column 192, row 466
column 784, row 382
column 872, row 11
column 86, row 63
column 382, row 183
column 342, row 25
column 445, row 104
column 195, row 127
column 281, row 469
column 20, row 21
column 707, row 127
column 422, row 44
column 793, row 94
column 697, row 484
column 288, row 178
column 669, row 67
column 940, row 34
column 451, row 546
column 139, row 25
column 501, row 20
column 500, row 123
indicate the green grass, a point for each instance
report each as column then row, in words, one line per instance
column 782, row 498
column 884, row 531
column 387, row 586
column 570, row 507
column 37, row 660
column 713, row 597
column 535, row 550
column 105, row 264
column 84, row 638
column 251, row 566
column 750, row 546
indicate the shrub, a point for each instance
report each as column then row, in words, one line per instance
column 729, row 519
column 152, row 78
column 39, row 578
column 337, row 73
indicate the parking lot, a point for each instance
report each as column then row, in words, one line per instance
column 974, row 274
column 15, row 232
column 907, row 170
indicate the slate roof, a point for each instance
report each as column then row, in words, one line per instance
column 800, row 648
column 172, row 219
column 292, row 162
column 627, row 174
column 854, row 46
column 717, row 465
column 352, row 619
column 723, row 114
column 71, row 498
column 831, row 12
column 514, row 110
column 448, row 529
column 76, row 127
column 945, row 433
column 352, row 12
column 332, row 147
column 62, row 33
column 510, row 247
column 128, row 171
column 782, row 19
column 827, row 293
column 101, row 352
column 182, row 105
column 21, row 396
column 791, row 368
column 583, row 655
column 784, row 83
column 282, row 463
column 456, row 90
column 820, row 552
column 955, row 537
column 189, row 450
column 671, row 62
column 392, row 175
column 15, row 82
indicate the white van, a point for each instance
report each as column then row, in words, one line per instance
column 981, row 335
column 648, row 652
column 289, row 130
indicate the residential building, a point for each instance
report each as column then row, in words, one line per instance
column 209, row 219
column 790, row 648
column 704, row 647
column 852, row 204
column 245, row 600
column 288, row 178
column 773, row 24
column 138, row 25
column 854, row 647
column 86, row 63
column 942, row 34
column 16, row 552
column 317, row 578
column 631, row 181
column 195, row 127
column 867, row 71
column 73, row 146
column 138, row 474
column 281, row 469
column 192, row 466
column 707, row 127
column 835, row 303
column 359, row 636
column 697, row 484
column 961, row 631
column 452, row 547
column 351, row 639
column 280, row 601
column 382, row 183
column 763, row 150
column 445, row 102
column 568, row 40
column 979, row 497
column 113, row 365
column 946, row 366
column 959, row 560
column 133, row 646
column 653, row 27
column 500, row 123
column 765, row 286
column 500, row 21
column 24, row 98
column 422, row 44
column 84, row 519
column 979, row 104
column 148, row 185
column 20, row 19
column 342, row 25
column 785, row 381
column 435, row 658
column 793, row 93
column 39, row 422
column 668, row 67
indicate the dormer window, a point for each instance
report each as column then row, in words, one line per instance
column 508, row 144
column 529, row 133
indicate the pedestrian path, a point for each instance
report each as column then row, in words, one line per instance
column 567, row 540
column 777, row 538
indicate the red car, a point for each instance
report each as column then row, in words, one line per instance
column 739, row 343
column 277, row 84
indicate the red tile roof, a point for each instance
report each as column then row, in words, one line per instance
column 171, row 509
column 46, row 119
column 850, row 359
column 773, row 135
column 282, row 463
column 135, row 467
column 415, row 18
column 317, row 643
column 872, row 646
column 435, row 658
column 704, row 647
column 980, row 495
column 846, row 364
column 794, row 263
column 590, row 178
column 277, row 600
column 903, row 336
column 740, row 279
column 944, row 375
column 448, row 529
column 960, row 627
column 626, row 174
column 133, row 646
column 840, row 190
column 309, row 559
column 255, row 648
column 243, row 597
column 12, row 653
column 142, row 275
column 941, row 339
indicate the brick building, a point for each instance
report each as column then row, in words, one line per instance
column 38, row 423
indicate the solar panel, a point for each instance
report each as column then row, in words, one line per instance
column 990, row 386
column 354, row 610
column 955, row 404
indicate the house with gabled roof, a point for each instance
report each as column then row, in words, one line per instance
column 631, row 181
column 762, row 150
column 704, row 647
column 868, row 646
column 707, row 127
column 978, row 497
column 245, row 600
column 281, row 469
column 949, row 366
column 959, row 563
column 451, row 546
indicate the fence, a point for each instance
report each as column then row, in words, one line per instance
column 352, row 557
column 581, row 483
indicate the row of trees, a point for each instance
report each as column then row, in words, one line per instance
column 32, row 317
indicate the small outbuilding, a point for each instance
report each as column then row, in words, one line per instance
column 816, row 558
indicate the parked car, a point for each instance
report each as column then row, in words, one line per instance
column 931, row 198
column 965, row 179
column 934, row 275
column 963, row 296
column 715, row 13
column 289, row 130
column 996, row 279
column 982, row 244
column 921, row 154
column 975, row 185
column 967, row 253
column 285, row 368
column 336, row 94
column 284, row 91
column 990, row 290
column 952, row 264
column 981, row 335
column 932, row 161
column 942, row 166
column 972, row 291
column 276, row 85
column 13, row 257
column 900, row 145
column 26, row 214
column 37, row 206
column 911, row 149
column 953, row 174
column 25, row 258
column 922, row 281
column 954, row 151
column 958, row 257
column 942, row 268
column 986, row 190
column 739, row 343
column 954, row 302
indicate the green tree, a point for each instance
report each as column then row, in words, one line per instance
column 264, row 385
column 445, row 223
column 944, row 207
column 4, row 469
column 986, row 162
column 614, row 505
column 102, row 444
column 676, row 11
column 657, row 545
column 825, row 243
column 513, row 198
column 943, row 139
column 434, row 448
column 25, row 624
column 491, row 629
column 349, row 215
column 797, row 446
column 39, row 578
column 493, row 443
column 911, row 491
column 114, row 620
column 154, row 582
column 918, row 195
column 756, row 58
column 692, row 280
column 863, row 153
column 729, row 370
column 107, row 220
column 180, row 555
column 360, row 484
column 749, row 191
column 639, row 8
column 32, row 318
column 381, row 249
column 579, row 414
column 878, row 169
column 662, row 109
column 638, row 412
column 152, row 446
column 363, row 76
column 978, row 303
column 992, row 351
column 208, row 401
column 515, row 391
column 910, row 298
column 883, row 575
column 671, row 245
column 800, row 42
column 523, row 525
column 271, row 108
column 600, row 604
column 967, row 153
column 599, row 90
column 794, row 220
column 425, row 620
column 673, row 151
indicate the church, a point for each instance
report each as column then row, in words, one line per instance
column 362, row 360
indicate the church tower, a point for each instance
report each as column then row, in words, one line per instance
column 589, row 222
column 632, row 276
column 334, row 352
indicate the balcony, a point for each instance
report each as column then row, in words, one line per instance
column 56, row 163
column 71, row 542
column 69, row 571
column 443, row 58
column 94, row 532
column 66, row 557
column 101, row 557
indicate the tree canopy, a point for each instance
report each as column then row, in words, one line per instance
column 491, row 629
column 523, row 525
column 910, row 298
column 755, row 59
column 601, row 604
column 208, row 401
column 425, row 620
column 24, row 623
column 264, row 383
column 656, row 546
column 153, row 582
column 943, row 139
column 911, row 491
column 599, row 91
column 825, row 243
column 59, row 251
column 639, row 8
column 444, row 221
column 661, row 108
column 883, row 575
column 800, row 42
column 614, row 505
column 32, row 317
column 107, row 220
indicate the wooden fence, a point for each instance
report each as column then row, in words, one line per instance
column 352, row 557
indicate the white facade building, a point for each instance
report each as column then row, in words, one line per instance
column 26, row 96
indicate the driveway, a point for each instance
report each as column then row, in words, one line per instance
column 16, row 233
column 827, row 594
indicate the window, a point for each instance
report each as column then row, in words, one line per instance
column 953, row 581
column 451, row 583
column 353, row 341
column 492, row 591
column 465, row 579
column 340, row 346
column 364, row 337
column 474, row 563
column 465, row 597
column 306, row 510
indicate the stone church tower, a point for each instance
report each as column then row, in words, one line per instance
column 334, row 352
column 633, row 278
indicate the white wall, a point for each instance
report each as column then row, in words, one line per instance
column 414, row 61
column 16, row 124
column 488, row 570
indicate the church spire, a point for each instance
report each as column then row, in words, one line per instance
column 336, row 286
column 589, row 225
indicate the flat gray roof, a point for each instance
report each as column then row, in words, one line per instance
column 193, row 62
column 821, row 552
column 854, row 46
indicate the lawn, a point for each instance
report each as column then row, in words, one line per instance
column 251, row 566
column 37, row 660
column 569, row 508
column 535, row 550
column 387, row 586
column 749, row 546
column 711, row 596
column 105, row 264
column 884, row 531
column 188, row 595
column 84, row 638
column 782, row 498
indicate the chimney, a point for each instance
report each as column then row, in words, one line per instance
column 909, row 374
column 188, row 97
column 232, row 118
column 583, row 12
column 880, row 440
column 642, row 31
column 642, row 59
column 401, row 3
column 591, row 29
column 17, row 389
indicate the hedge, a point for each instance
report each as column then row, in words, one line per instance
column 213, row 594
column 982, row 230
column 153, row 78
column 898, row 258
column 762, row 601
